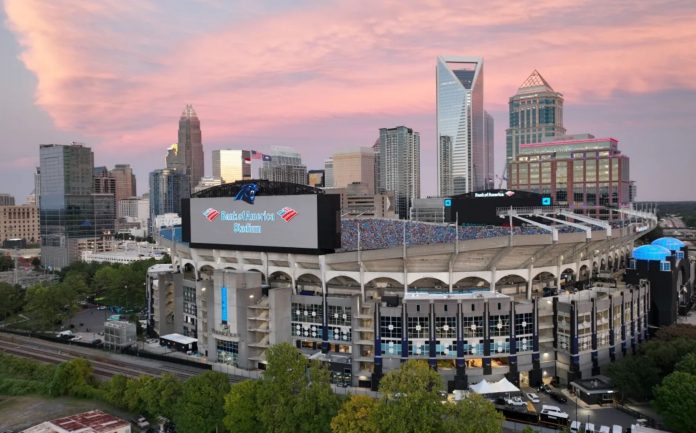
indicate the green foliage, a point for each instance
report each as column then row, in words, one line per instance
column 73, row 378
column 687, row 364
column 474, row 414
column 200, row 407
column 20, row 376
column 50, row 304
column 6, row 263
column 410, row 401
column 114, row 390
column 12, row 299
column 675, row 399
column 121, row 285
column 357, row 415
column 241, row 406
column 635, row 376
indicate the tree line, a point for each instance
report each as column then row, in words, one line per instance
column 49, row 304
column 663, row 372
column 293, row 395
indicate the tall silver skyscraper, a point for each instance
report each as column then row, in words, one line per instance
column 190, row 146
column 461, row 144
column 399, row 166
column 489, row 129
column 231, row 165
column 536, row 115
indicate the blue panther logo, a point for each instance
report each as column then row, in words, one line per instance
column 247, row 193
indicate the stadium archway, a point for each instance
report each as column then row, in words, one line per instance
column 279, row 279
column 342, row 285
column 189, row 272
column 584, row 273
column 308, row 284
column 206, row 272
column 428, row 285
column 471, row 283
column 511, row 284
column 567, row 278
column 378, row 287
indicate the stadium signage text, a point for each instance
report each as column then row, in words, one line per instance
column 242, row 219
column 489, row 194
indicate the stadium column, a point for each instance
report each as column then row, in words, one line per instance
column 293, row 269
column 487, row 370
column 460, row 380
column 623, row 323
column 494, row 271
column 404, row 332
column 612, row 336
column 558, row 272
column 377, row 372
column 530, row 271
column 574, row 367
column 513, row 374
column 535, row 375
column 325, row 307
column 593, row 321
column 633, row 321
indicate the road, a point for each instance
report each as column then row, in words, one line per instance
column 105, row 364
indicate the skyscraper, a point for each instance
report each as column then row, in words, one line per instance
column 190, row 146
column 536, row 115
column 489, row 129
column 285, row 165
column 69, row 209
column 399, row 170
column 167, row 188
column 125, row 181
column 355, row 166
column 461, row 144
column 231, row 165
column 328, row 173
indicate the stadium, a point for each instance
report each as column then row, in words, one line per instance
column 256, row 263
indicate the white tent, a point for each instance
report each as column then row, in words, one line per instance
column 499, row 387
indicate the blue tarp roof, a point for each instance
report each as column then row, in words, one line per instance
column 651, row 252
column 672, row 244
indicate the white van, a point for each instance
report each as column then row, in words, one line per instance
column 604, row 429
column 575, row 427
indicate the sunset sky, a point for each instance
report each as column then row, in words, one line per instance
column 325, row 76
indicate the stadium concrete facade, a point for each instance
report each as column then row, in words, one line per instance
column 473, row 306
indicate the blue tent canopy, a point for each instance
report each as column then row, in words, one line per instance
column 672, row 244
column 651, row 252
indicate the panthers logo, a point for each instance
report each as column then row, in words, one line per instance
column 247, row 193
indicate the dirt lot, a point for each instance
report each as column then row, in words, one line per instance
column 18, row 413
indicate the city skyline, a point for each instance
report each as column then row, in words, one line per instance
column 126, row 109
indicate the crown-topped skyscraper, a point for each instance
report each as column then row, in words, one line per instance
column 536, row 115
column 190, row 146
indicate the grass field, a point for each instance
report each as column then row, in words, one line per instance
column 20, row 412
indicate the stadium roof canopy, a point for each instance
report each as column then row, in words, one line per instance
column 265, row 187
column 672, row 244
column 651, row 252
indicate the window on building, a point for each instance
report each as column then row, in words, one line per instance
column 472, row 326
column 445, row 327
column 499, row 325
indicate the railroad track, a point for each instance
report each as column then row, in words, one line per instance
column 102, row 364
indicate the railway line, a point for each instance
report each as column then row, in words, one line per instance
column 104, row 364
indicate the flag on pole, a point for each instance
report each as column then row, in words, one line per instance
column 247, row 161
column 267, row 158
column 256, row 155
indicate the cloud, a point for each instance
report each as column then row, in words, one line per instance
column 120, row 71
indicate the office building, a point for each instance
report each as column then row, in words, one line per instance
column 285, row 165
column 399, row 171
column 125, row 182
column 461, row 142
column 354, row 166
column 167, row 188
column 582, row 172
column 19, row 222
column 489, row 138
column 104, row 183
column 428, row 210
column 328, row 173
column 71, row 214
column 190, row 145
column 7, row 200
column 207, row 182
column 316, row 178
column 175, row 158
column 536, row 115
column 231, row 165
column 358, row 201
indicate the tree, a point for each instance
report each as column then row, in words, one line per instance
column 293, row 395
column 675, row 399
column 6, row 263
column 12, row 299
column 73, row 378
column 200, row 407
column 410, row 401
column 121, row 285
column 50, row 304
column 135, row 395
column 474, row 414
column 357, row 415
column 687, row 364
column 241, row 405
column 635, row 376
column 115, row 390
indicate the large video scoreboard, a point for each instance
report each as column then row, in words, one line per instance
column 480, row 207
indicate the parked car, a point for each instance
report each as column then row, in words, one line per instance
column 545, row 388
column 558, row 397
column 553, row 412
column 533, row 397
column 515, row 401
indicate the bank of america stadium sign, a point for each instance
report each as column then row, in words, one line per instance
column 246, row 221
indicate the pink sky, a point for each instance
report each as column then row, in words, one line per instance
column 116, row 73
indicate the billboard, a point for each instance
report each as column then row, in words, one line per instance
column 480, row 207
column 303, row 222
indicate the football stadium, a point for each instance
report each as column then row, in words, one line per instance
column 539, row 297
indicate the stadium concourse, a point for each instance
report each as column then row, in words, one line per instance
column 470, row 304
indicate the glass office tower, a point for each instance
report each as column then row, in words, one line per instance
column 69, row 211
column 190, row 145
column 536, row 115
column 231, row 165
column 399, row 170
column 167, row 188
column 461, row 146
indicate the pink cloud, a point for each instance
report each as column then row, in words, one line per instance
column 121, row 71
